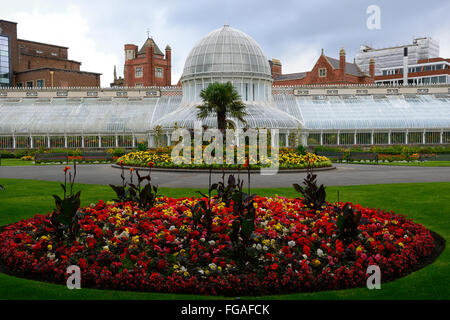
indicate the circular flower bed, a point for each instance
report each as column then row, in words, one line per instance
column 288, row 159
column 293, row 248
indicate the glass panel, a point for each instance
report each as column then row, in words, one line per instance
column 314, row 139
column 329, row 138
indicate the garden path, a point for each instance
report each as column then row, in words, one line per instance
column 346, row 174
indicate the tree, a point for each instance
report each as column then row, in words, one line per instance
column 223, row 100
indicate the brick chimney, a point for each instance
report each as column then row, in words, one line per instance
column 128, row 70
column 130, row 51
column 342, row 63
column 169, row 65
column 275, row 67
column 372, row 68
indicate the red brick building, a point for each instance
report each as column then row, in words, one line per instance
column 147, row 66
column 327, row 70
column 426, row 71
column 35, row 64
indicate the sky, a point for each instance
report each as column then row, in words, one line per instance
column 292, row 31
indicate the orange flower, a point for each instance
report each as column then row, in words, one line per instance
column 150, row 164
column 245, row 165
column 131, row 169
column 66, row 168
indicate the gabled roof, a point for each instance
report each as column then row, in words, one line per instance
column 350, row 68
column 150, row 43
column 290, row 76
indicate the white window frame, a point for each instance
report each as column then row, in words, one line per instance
column 324, row 72
column 159, row 72
column 141, row 73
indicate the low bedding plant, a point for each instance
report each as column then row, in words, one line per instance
column 161, row 157
column 227, row 242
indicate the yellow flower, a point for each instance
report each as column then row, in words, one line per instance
column 50, row 247
column 316, row 262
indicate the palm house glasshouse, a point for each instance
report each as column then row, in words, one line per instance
column 311, row 115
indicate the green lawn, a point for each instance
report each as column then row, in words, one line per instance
column 16, row 162
column 427, row 203
column 409, row 164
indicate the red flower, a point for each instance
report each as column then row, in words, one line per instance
column 274, row 266
column 66, row 168
column 161, row 265
column 151, row 164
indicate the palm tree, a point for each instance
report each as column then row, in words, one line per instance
column 223, row 100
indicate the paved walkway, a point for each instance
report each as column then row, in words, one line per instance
column 345, row 174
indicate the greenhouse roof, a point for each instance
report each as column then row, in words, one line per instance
column 367, row 112
column 100, row 116
column 226, row 50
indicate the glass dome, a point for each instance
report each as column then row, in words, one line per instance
column 226, row 50
column 223, row 55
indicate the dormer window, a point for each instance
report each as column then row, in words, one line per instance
column 322, row 72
